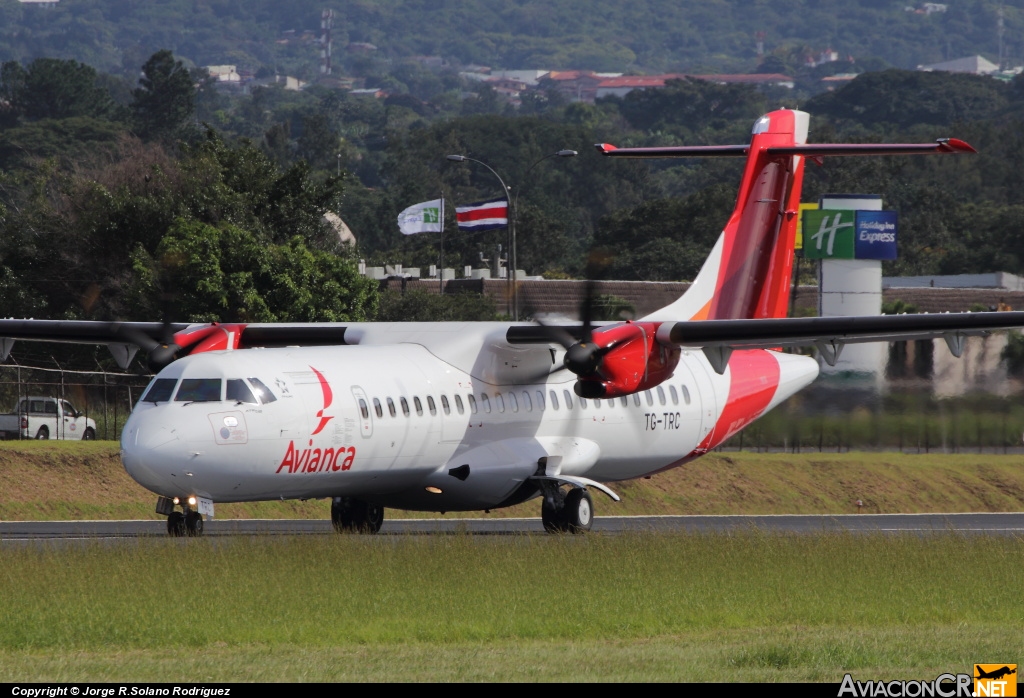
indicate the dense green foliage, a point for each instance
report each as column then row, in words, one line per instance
column 653, row 36
column 110, row 198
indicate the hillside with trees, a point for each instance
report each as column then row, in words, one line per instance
column 654, row 36
column 115, row 195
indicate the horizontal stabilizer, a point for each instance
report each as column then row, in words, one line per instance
column 813, row 150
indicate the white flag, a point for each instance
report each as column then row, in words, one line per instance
column 427, row 217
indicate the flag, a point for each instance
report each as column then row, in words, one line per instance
column 427, row 217
column 483, row 215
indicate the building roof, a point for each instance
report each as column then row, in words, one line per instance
column 978, row 65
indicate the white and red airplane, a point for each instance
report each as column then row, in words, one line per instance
column 477, row 416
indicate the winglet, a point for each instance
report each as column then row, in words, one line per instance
column 955, row 145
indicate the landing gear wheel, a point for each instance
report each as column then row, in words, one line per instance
column 356, row 516
column 551, row 513
column 193, row 523
column 578, row 512
column 176, row 524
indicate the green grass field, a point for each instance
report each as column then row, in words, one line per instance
column 645, row 607
column 750, row 607
column 57, row 480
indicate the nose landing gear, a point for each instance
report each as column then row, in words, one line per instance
column 187, row 522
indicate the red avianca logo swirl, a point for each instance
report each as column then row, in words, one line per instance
column 328, row 398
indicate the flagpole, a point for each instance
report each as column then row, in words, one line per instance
column 440, row 271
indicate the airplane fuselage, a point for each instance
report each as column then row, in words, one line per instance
column 398, row 425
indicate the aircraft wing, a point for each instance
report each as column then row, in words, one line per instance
column 794, row 332
column 718, row 338
column 102, row 332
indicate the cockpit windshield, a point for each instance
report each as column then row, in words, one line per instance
column 160, row 390
column 199, row 390
column 262, row 391
column 239, row 392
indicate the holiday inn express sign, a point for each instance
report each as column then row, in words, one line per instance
column 849, row 234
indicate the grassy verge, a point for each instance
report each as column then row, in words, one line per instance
column 748, row 606
column 56, row 480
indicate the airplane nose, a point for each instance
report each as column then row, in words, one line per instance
column 147, row 447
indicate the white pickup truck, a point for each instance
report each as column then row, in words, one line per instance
column 46, row 418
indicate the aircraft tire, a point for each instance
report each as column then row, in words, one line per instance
column 373, row 518
column 356, row 516
column 176, row 524
column 553, row 517
column 193, row 523
column 578, row 512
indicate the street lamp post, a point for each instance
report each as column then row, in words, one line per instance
column 513, row 212
column 515, row 220
column 509, row 282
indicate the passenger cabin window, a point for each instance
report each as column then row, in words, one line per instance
column 554, row 400
column 675, row 395
column 686, row 395
column 650, row 398
column 431, row 406
column 512, row 402
column 238, row 391
column 419, row 405
column 458, row 404
column 444, row 404
column 199, row 390
column 486, row 401
column 472, row 403
column 262, row 391
column 160, row 390
column 378, row 410
column 405, row 406
column 527, row 403
column 540, row 400
column 661, row 395
column 391, row 407
column 364, row 409
column 624, row 400
column 636, row 399
column 568, row 399
column 583, row 403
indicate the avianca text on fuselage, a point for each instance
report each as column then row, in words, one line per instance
column 316, row 460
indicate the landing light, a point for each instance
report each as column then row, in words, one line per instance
column 177, row 501
column 434, row 490
column 191, row 501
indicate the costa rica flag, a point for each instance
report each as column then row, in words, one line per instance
column 483, row 215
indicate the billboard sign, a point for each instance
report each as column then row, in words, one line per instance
column 840, row 234
column 876, row 235
column 829, row 234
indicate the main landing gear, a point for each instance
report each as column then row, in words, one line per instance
column 561, row 511
column 356, row 516
column 187, row 522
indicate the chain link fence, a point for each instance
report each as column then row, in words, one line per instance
column 105, row 397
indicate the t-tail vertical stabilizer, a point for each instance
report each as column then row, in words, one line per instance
column 749, row 271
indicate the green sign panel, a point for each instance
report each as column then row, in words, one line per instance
column 829, row 234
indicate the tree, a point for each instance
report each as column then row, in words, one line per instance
column 51, row 88
column 165, row 99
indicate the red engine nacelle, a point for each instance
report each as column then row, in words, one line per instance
column 629, row 359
